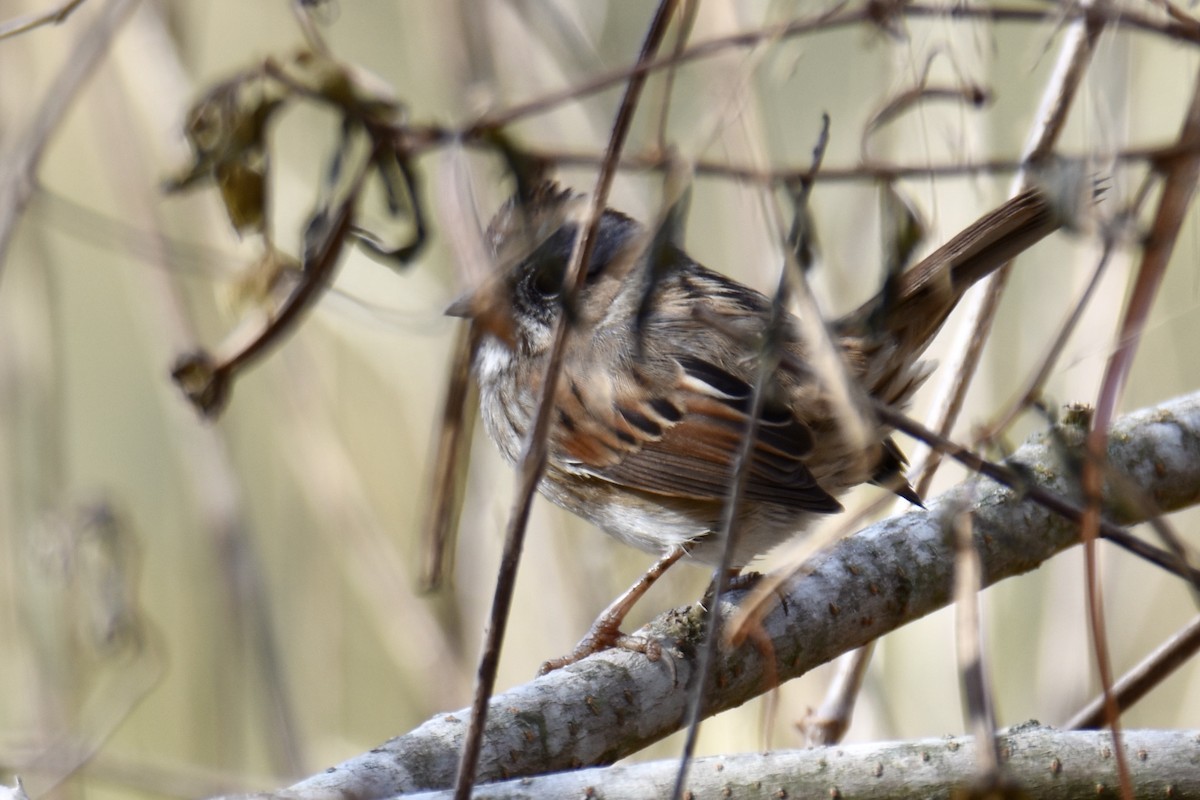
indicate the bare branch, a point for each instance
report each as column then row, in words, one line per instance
column 1044, row 762
column 1152, row 671
column 20, row 164
column 28, row 22
column 892, row 573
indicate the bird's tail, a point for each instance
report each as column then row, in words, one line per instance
column 894, row 327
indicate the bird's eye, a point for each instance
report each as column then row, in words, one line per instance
column 547, row 280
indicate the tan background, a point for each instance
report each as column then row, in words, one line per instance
column 141, row 654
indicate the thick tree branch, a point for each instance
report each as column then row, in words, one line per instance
column 1046, row 763
column 892, row 573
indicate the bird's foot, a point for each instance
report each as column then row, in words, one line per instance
column 600, row 641
column 605, row 634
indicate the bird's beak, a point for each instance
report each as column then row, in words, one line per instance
column 463, row 306
column 486, row 310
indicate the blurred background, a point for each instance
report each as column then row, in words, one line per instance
column 189, row 607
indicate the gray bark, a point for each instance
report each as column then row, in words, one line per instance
column 1046, row 763
column 615, row 703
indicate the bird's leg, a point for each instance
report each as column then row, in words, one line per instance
column 606, row 633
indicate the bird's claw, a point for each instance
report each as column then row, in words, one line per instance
column 603, row 637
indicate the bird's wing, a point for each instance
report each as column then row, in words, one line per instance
column 681, row 439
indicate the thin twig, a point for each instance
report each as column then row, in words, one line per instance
column 1137, row 683
column 979, row 307
column 29, row 22
column 207, row 379
column 978, row 710
column 1178, row 190
column 1018, row 482
column 19, row 165
column 843, row 16
column 1033, row 386
column 533, row 459
column 870, row 171
column 454, row 438
column 829, row 723
column 768, row 359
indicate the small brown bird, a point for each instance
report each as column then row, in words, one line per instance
column 657, row 378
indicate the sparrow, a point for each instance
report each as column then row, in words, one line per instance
column 658, row 376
